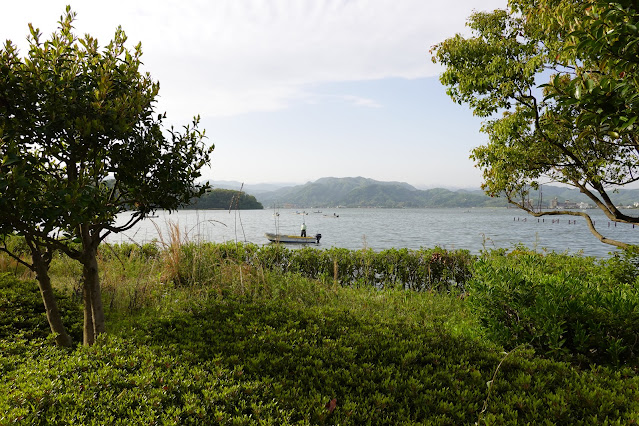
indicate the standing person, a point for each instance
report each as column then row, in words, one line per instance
column 303, row 229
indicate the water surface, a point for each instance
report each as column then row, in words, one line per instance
column 472, row 229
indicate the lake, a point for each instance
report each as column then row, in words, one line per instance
column 472, row 229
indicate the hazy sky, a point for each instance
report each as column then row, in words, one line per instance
column 295, row 90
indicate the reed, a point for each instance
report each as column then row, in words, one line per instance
column 12, row 266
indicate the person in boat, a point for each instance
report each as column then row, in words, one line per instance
column 303, row 229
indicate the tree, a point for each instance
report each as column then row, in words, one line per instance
column 558, row 84
column 226, row 199
column 71, row 118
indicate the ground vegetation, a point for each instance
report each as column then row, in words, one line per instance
column 222, row 333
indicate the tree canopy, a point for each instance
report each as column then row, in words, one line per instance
column 225, row 199
column 558, row 84
column 73, row 116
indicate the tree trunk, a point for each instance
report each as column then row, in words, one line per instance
column 94, row 322
column 92, row 281
column 88, row 330
column 41, row 269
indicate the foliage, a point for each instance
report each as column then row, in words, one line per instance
column 120, row 382
column 578, row 127
column 15, row 244
column 608, row 97
column 22, row 311
column 257, row 343
column 145, row 251
column 71, row 117
column 424, row 269
column 304, row 353
column 225, row 199
column 624, row 266
column 566, row 308
column 94, row 119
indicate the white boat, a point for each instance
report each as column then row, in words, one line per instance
column 295, row 239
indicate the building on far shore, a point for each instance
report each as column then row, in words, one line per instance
column 555, row 204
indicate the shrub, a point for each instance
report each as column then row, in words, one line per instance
column 567, row 308
column 624, row 266
column 15, row 244
column 22, row 310
column 234, row 362
column 189, row 263
column 121, row 382
column 129, row 250
column 424, row 269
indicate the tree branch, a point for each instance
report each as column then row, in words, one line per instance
column 589, row 222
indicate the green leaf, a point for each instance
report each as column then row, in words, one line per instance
column 629, row 123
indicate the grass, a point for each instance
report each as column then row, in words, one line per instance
column 195, row 337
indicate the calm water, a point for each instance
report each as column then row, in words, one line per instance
column 379, row 229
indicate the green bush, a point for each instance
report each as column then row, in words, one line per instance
column 15, row 244
column 307, row 352
column 121, row 382
column 129, row 250
column 235, row 362
column 624, row 266
column 424, row 269
column 22, row 310
column 567, row 308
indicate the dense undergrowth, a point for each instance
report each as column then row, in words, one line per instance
column 236, row 334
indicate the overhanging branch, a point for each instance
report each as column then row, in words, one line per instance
column 586, row 216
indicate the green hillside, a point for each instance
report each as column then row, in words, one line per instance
column 364, row 192
column 225, row 199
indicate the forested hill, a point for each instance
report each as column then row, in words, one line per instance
column 225, row 199
column 364, row 192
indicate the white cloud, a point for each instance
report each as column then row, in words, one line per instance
column 363, row 102
column 229, row 57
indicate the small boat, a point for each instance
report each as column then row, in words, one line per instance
column 332, row 215
column 295, row 239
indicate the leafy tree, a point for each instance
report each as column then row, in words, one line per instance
column 71, row 117
column 557, row 81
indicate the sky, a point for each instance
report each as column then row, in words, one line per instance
column 290, row 91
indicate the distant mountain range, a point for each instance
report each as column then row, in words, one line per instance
column 252, row 188
column 622, row 198
column 364, row 192
column 361, row 192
